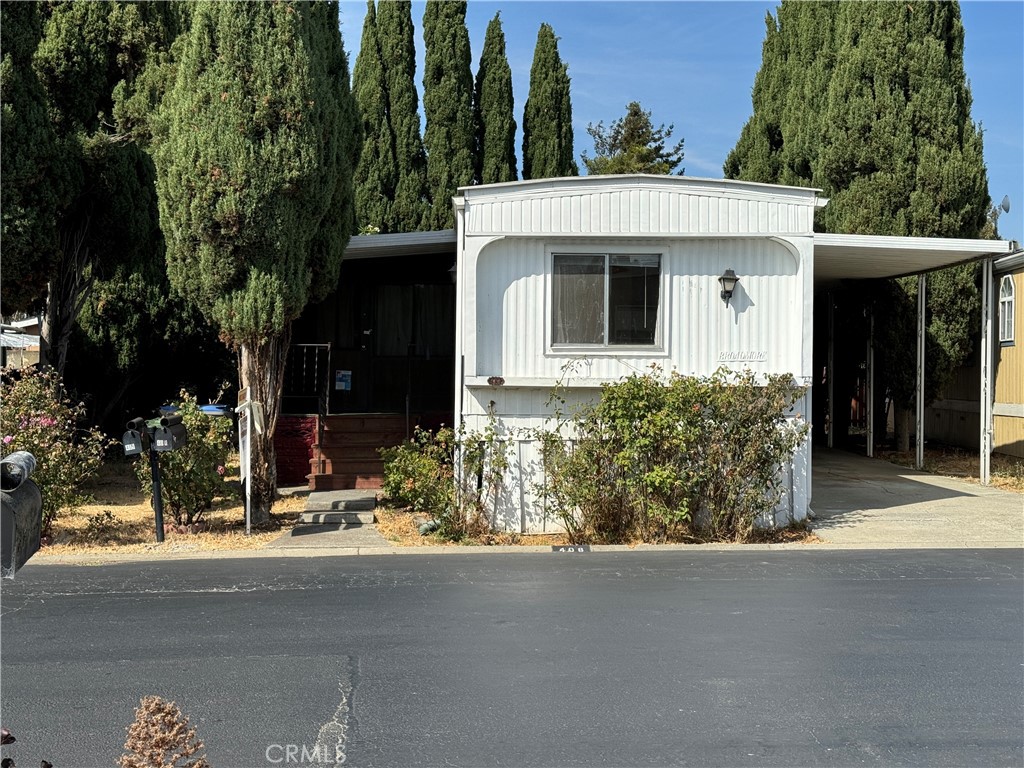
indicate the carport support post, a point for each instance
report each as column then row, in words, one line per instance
column 921, row 287
column 985, row 353
column 869, row 384
column 830, row 372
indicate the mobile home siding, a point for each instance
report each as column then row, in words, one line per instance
column 508, row 237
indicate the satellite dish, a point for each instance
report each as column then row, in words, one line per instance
column 1005, row 205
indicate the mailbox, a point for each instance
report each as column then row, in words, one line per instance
column 170, row 435
column 136, row 439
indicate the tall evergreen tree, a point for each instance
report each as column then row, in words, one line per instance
column 493, row 111
column 633, row 145
column 88, row 53
column 255, row 145
column 883, row 126
column 398, row 53
column 376, row 174
column 32, row 180
column 547, row 118
column 448, row 105
column 780, row 142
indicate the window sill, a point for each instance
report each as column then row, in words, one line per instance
column 606, row 351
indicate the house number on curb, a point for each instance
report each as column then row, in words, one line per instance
column 574, row 548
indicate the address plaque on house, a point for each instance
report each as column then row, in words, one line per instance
column 749, row 356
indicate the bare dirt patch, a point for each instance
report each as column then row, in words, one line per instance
column 120, row 519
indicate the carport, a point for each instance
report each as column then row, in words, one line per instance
column 859, row 502
column 839, row 258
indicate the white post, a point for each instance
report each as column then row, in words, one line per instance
column 921, row 288
column 985, row 355
column 831, row 370
column 869, row 384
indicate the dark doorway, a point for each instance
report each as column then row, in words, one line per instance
column 391, row 327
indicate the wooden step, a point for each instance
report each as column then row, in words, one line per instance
column 338, row 482
column 329, row 465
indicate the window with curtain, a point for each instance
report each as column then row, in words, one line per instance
column 1007, row 308
column 605, row 299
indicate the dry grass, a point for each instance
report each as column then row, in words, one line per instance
column 1007, row 471
column 129, row 527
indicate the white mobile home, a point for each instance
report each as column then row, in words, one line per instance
column 588, row 280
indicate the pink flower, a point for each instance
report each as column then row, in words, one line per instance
column 8, row 439
column 220, row 470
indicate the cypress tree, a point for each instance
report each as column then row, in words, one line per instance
column 872, row 100
column 32, row 188
column 493, row 111
column 398, row 54
column 780, row 142
column 91, row 53
column 547, row 118
column 255, row 145
column 448, row 104
column 376, row 174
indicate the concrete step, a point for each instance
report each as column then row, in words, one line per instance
column 341, row 501
column 336, row 518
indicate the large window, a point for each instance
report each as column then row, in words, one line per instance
column 1006, row 309
column 605, row 299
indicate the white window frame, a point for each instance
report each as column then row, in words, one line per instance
column 657, row 349
column 1007, row 309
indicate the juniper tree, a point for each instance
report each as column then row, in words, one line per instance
column 377, row 174
column 493, row 111
column 547, row 118
column 398, row 54
column 448, row 106
column 633, row 145
column 255, row 144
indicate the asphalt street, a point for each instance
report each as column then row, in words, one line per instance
column 702, row 658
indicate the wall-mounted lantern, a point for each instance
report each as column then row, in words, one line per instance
column 728, row 282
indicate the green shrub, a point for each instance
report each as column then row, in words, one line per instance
column 421, row 474
column 657, row 460
column 37, row 416
column 192, row 476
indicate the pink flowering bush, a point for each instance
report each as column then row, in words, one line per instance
column 192, row 476
column 37, row 416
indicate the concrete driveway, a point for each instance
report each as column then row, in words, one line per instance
column 870, row 503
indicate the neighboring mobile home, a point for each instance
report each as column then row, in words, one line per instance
column 955, row 418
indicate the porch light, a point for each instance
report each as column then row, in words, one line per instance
column 728, row 282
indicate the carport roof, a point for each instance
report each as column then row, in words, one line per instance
column 836, row 257
column 864, row 257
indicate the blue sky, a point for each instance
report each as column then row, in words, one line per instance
column 693, row 65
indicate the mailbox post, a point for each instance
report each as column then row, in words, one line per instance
column 250, row 420
column 153, row 437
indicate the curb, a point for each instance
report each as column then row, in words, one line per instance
column 357, row 551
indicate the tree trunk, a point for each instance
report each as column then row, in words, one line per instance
column 902, row 429
column 261, row 369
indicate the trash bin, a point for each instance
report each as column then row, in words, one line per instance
column 21, row 512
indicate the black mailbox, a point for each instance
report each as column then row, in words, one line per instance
column 170, row 435
column 136, row 439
